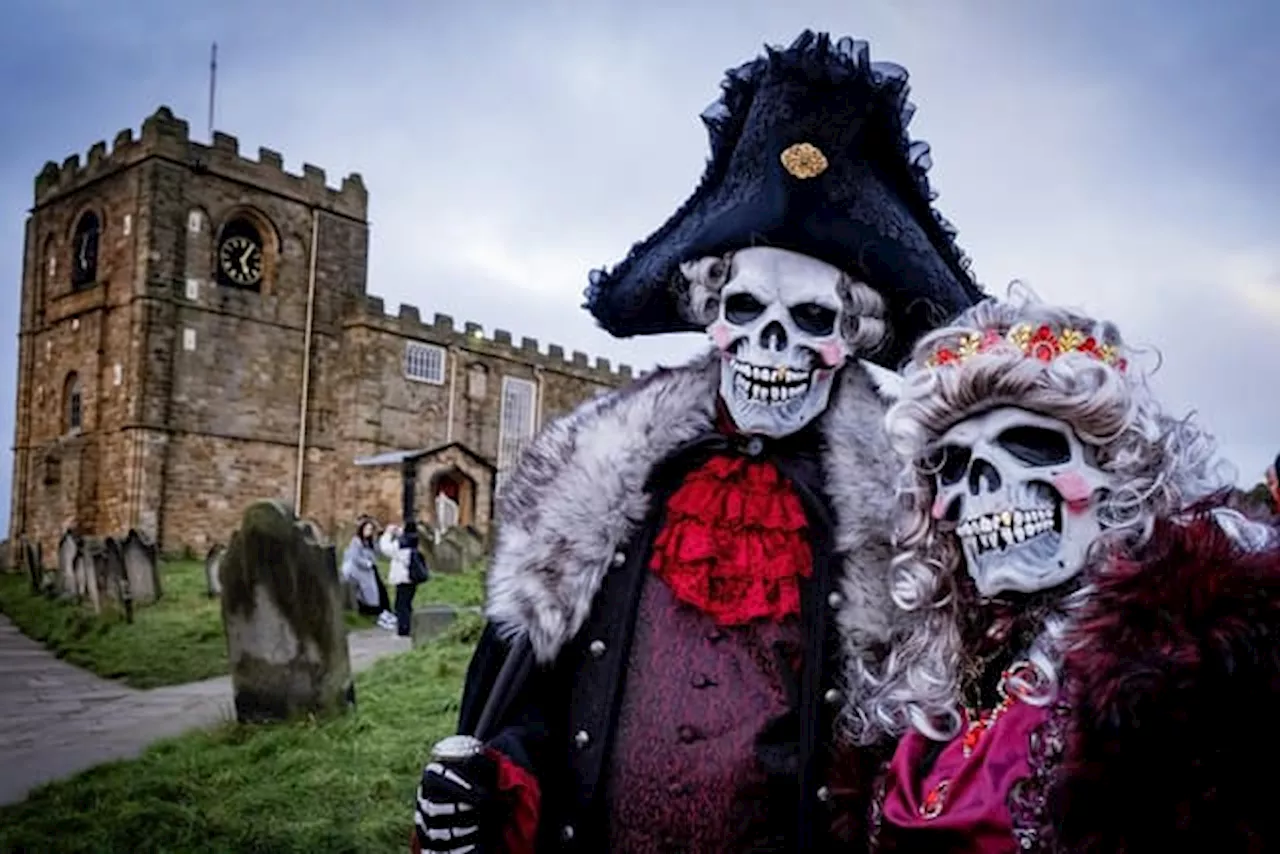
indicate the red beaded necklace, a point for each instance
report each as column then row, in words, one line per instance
column 980, row 723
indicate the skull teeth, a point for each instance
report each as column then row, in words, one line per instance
column 769, row 384
column 1008, row 528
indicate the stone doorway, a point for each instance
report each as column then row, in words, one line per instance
column 453, row 500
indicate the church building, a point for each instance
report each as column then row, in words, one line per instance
column 196, row 334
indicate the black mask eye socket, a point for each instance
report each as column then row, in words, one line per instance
column 949, row 463
column 742, row 308
column 1036, row 446
column 813, row 318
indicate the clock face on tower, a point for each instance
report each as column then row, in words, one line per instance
column 240, row 260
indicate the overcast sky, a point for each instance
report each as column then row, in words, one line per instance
column 1122, row 161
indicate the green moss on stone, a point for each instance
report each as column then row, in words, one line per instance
column 272, row 551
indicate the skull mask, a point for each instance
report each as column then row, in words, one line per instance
column 779, row 330
column 1023, row 497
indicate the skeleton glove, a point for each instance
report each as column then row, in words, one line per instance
column 459, row 809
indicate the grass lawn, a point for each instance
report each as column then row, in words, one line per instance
column 177, row 639
column 343, row 785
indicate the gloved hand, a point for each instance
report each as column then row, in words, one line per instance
column 459, row 809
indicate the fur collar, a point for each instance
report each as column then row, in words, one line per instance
column 577, row 495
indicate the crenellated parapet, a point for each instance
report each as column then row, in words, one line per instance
column 442, row 330
column 166, row 136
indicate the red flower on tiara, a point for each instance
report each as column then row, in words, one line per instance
column 1039, row 343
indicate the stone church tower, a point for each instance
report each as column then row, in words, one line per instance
column 181, row 308
column 196, row 335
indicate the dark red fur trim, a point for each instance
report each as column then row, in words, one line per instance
column 1175, row 670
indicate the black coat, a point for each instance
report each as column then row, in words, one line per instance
column 562, row 722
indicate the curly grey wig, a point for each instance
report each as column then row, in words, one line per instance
column 1160, row 463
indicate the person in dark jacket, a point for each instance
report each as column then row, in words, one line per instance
column 693, row 559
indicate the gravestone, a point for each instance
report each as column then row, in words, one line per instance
column 430, row 620
column 113, row 575
column 86, row 576
column 35, row 573
column 68, row 548
column 141, row 566
column 282, row 612
column 446, row 557
column 314, row 531
column 469, row 543
column 212, row 562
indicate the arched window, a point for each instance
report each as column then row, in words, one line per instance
column 240, row 255
column 84, row 250
column 72, row 404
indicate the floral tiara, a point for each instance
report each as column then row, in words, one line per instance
column 1040, row 343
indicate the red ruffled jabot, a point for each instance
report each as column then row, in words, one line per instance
column 734, row 544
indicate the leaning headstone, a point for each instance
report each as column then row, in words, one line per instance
column 212, row 561
column 48, row 581
column 141, row 565
column 86, row 575
column 282, row 612
column 68, row 548
column 35, row 574
column 430, row 620
column 115, row 578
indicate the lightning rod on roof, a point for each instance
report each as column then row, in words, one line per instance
column 213, row 83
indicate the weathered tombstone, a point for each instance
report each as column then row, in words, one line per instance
column 282, row 612
column 68, row 548
column 447, row 557
column 113, row 576
column 141, row 566
column 314, row 531
column 35, row 574
column 430, row 620
column 212, row 561
column 50, row 580
column 86, row 575
column 350, row 597
column 469, row 544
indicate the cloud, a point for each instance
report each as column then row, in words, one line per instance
column 510, row 148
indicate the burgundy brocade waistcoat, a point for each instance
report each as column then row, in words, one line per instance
column 686, row 774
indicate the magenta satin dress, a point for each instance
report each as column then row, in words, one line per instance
column 961, row 804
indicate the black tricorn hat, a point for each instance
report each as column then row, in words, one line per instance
column 809, row 152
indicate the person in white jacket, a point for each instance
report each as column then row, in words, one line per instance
column 393, row 544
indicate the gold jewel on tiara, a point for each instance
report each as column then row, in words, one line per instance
column 1040, row 343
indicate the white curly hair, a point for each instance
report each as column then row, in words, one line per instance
column 1161, row 464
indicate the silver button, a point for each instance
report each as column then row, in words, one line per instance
column 581, row 738
column 835, row 600
column 619, row 557
column 597, row 648
column 824, row 794
column 832, row 696
column 755, row 445
column 566, row 832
